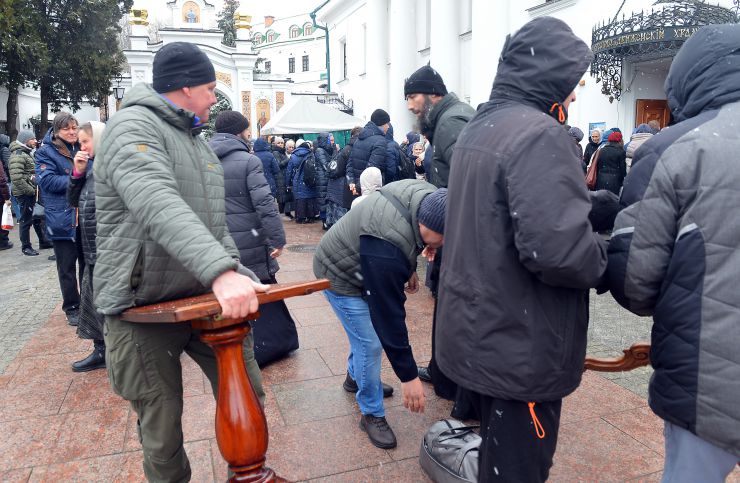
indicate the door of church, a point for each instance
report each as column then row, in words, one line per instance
column 649, row 109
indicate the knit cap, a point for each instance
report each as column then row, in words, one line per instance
column 432, row 210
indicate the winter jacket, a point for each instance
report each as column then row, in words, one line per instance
column 588, row 153
column 512, row 315
column 81, row 195
column 294, row 175
column 338, row 254
column 22, row 168
column 411, row 139
column 337, row 189
column 393, row 157
column 53, row 168
column 323, row 151
column 637, row 140
column 612, row 168
column 161, row 219
column 4, row 191
column 282, row 160
column 270, row 167
column 5, row 154
column 370, row 149
column 251, row 212
column 446, row 120
column 675, row 252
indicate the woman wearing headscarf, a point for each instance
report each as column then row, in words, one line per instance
column 593, row 144
column 612, row 167
column 81, row 194
column 642, row 134
column 371, row 180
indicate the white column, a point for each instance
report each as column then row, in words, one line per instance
column 490, row 27
column 402, row 53
column 377, row 55
column 444, row 45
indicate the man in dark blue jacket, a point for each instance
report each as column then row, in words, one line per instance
column 269, row 165
column 370, row 150
column 53, row 169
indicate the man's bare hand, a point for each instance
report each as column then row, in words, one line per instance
column 237, row 294
column 413, row 395
column 413, row 284
column 276, row 252
column 429, row 253
column 353, row 189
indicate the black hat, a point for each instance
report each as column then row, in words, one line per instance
column 181, row 64
column 432, row 210
column 232, row 122
column 380, row 117
column 425, row 81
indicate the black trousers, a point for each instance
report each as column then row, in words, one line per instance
column 516, row 445
column 69, row 257
column 26, row 204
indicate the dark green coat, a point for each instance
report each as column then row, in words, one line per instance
column 447, row 119
column 161, row 220
column 21, row 167
column 338, row 255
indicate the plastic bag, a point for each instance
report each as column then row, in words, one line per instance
column 7, row 223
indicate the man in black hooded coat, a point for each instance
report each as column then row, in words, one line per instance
column 513, row 295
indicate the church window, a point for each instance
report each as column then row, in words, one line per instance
column 271, row 36
column 291, row 65
column 295, row 31
column 268, row 66
column 305, row 63
column 307, row 29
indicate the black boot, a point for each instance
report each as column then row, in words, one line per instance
column 73, row 317
column 377, row 429
column 96, row 360
column 351, row 386
column 424, row 374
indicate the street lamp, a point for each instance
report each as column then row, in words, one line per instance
column 118, row 91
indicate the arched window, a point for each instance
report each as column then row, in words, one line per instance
column 295, row 31
column 307, row 29
column 258, row 38
column 271, row 36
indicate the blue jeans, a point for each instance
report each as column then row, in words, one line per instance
column 363, row 363
column 689, row 458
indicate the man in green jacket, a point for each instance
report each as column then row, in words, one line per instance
column 162, row 235
column 23, row 177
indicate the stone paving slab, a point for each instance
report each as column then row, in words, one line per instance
column 62, row 426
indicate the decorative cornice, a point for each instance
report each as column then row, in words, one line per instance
column 550, row 7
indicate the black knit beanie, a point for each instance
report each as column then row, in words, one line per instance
column 425, row 81
column 380, row 117
column 231, row 122
column 181, row 64
column 432, row 210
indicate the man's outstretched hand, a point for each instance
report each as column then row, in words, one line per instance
column 237, row 294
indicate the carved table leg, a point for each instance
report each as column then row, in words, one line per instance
column 241, row 427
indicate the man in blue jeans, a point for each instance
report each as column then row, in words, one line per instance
column 369, row 257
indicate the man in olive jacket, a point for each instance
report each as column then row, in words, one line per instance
column 513, row 295
column 162, row 235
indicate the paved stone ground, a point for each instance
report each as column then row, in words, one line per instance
column 62, row 426
column 30, row 291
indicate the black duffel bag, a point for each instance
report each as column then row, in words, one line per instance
column 449, row 452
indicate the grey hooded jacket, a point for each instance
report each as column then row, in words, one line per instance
column 675, row 249
column 159, row 196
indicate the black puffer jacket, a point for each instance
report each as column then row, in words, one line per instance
column 338, row 188
column 370, row 150
column 5, row 154
column 513, row 299
column 251, row 212
column 612, row 168
column 323, row 153
column 81, row 195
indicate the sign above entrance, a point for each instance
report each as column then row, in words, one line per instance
column 665, row 34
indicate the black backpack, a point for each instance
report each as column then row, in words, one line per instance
column 406, row 165
column 310, row 175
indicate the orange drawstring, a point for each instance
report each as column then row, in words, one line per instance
column 537, row 425
column 561, row 113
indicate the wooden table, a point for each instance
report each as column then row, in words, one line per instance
column 241, row 427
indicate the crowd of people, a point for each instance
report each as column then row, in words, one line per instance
column 144, row 209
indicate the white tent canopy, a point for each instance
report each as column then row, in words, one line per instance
column 304, row 115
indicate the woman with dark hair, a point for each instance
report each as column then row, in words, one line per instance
column 53, row 168
column 81, row 194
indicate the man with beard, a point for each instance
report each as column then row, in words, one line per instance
column 441, row 117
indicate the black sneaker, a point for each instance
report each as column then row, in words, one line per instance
column 424, row 374
column 6, row 246
column 53, row 258
column 377, row 429
column 30, row 252
column 350, row 385
column 96, row 360
column 73, row 318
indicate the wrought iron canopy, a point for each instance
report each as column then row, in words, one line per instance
column 649, row 35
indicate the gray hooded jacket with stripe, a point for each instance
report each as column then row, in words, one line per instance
column 675, row 250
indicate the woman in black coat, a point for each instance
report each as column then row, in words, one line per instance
column 612, row 167
column 593, row 144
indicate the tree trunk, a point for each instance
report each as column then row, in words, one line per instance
column 12, row 113
column 44, row 111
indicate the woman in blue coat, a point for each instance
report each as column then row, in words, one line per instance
column 53, row 170
column 271, row 168
column 305, row 197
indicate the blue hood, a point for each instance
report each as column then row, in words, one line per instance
column 370, row 129
column 261, row 145
column 224, row 144
column 322, row 141
column 4, row 140
column 389, row 132
column 412, row 137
